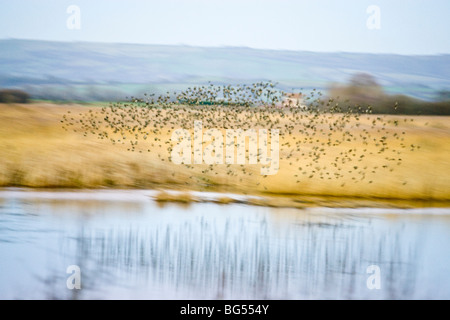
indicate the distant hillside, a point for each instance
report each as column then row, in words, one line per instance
column 98, row 71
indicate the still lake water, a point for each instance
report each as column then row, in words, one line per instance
column 129, row 247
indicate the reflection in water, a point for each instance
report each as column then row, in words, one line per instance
column 133, row 249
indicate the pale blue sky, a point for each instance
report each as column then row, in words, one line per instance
column 407, row 26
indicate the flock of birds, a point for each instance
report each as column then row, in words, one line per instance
column 319, row 138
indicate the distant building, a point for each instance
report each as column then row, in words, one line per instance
column 293, row 100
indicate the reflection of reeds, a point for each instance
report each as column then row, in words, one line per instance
column 250, row 258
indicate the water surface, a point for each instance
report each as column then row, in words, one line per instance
column 129, row 247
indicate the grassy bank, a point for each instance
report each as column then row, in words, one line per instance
column 35, row 151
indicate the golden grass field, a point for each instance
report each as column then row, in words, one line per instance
column 36, row 151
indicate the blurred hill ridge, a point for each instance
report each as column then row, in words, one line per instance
column 103, row 71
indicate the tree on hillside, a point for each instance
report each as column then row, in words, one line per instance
column 365, row 84
column 13, row 96
column 361, row 88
